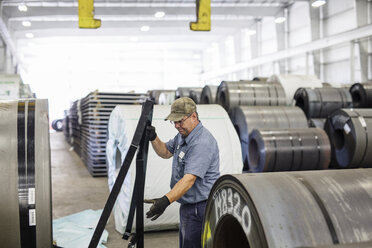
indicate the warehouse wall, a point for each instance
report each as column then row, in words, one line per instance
column 334, row 63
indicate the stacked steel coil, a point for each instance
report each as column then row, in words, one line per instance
column 362, row 95
column 288, row 150
column 328, row 208
column 246, row 118
column 350, row 133
column 209, row 95
column 195, row 94
column 249, row 93
column 155, row 95
column 291, row 83
column 26, row 204
column 167, row 98
column 90, row 119
column 185, row 91
column 321, row 102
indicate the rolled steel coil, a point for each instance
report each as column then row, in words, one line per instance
column 350, row 134
column 246, row 118
column 362, row 95
column 26, row 204
column 321, row 102
column 57, row 125
column 195, row 94
column 291, row 83
column 288, row 150
column 317, row 122
column 184, row 91
column 249, row 93
column 155, row 95
column 209, row 95
column 167, row 98
column 290, row 209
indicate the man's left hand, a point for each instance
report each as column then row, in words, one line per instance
column 158, row 207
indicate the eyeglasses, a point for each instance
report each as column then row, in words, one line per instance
column 181, row 121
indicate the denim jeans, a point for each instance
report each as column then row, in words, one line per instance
column 191, row 222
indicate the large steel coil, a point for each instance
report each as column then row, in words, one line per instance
column 185, row 91
column 316, row 122
column 321, row 102
column 249, row 93
column 209, row 95
column 246, row 118
column 290, row 209
column 25, row 174
column 291, row 83
column 195, row 94
column 350, row 133
column 167, row 98
column 362, row 95
column 288, row 150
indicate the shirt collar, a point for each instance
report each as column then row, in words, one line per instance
column 192, row 134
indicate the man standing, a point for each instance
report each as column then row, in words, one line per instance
column 195, row 168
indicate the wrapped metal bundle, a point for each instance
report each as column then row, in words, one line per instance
column 122, row 124
column 328, row 208
column 209, row 95
column 184, row 91
column 321, row 102
column 249, row 93
column 362, row 95
column 246, row 118
column 26, row 204
column 155, row 95
column 288, row 150
column 292, row 82
column 317, row 122
column 350, row 133
column 167, row 98
column 195, row 94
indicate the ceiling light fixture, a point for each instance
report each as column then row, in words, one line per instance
column 26, row 23
column 280, row 19
column 145, row 28
column 29, row 35
column 318, row 3
column 22, row 7
column 159, row 14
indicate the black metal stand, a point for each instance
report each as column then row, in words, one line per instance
column 140, row 140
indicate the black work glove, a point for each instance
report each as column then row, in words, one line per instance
column 150, row 131
column 158, row 207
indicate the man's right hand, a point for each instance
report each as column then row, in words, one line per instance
column 150, row 132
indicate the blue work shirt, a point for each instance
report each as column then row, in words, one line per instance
column 197, row 154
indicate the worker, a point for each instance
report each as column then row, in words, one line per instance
column 195, row 168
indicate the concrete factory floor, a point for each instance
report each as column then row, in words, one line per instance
column 75, row 190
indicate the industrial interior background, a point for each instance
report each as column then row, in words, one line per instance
column 283, row 86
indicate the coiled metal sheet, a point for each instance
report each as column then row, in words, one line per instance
column 288, row 150
column 246, row 118
column 195, row 94
column 26, row 211
column 249, row 93
column 321, row 102
column 291, row 83
column 155, row 95
column 317, row 122
column 362, row 95
column 350, row 133
column 167, row 98
column 290, row 209
column 209, row 95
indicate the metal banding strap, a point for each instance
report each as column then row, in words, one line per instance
column 293, row 152
column 26, row 173
column 321, row 205
column 321, row 101
column 319, row 152
column 268, row 89
column 275, row 152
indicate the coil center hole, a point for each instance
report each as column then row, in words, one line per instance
column 339, row 139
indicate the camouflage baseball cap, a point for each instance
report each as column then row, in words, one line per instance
column 181, row 107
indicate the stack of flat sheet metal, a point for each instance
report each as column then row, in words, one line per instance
column 93, row 112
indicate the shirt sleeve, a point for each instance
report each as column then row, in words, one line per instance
column 199, row 159
column 171, row 144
